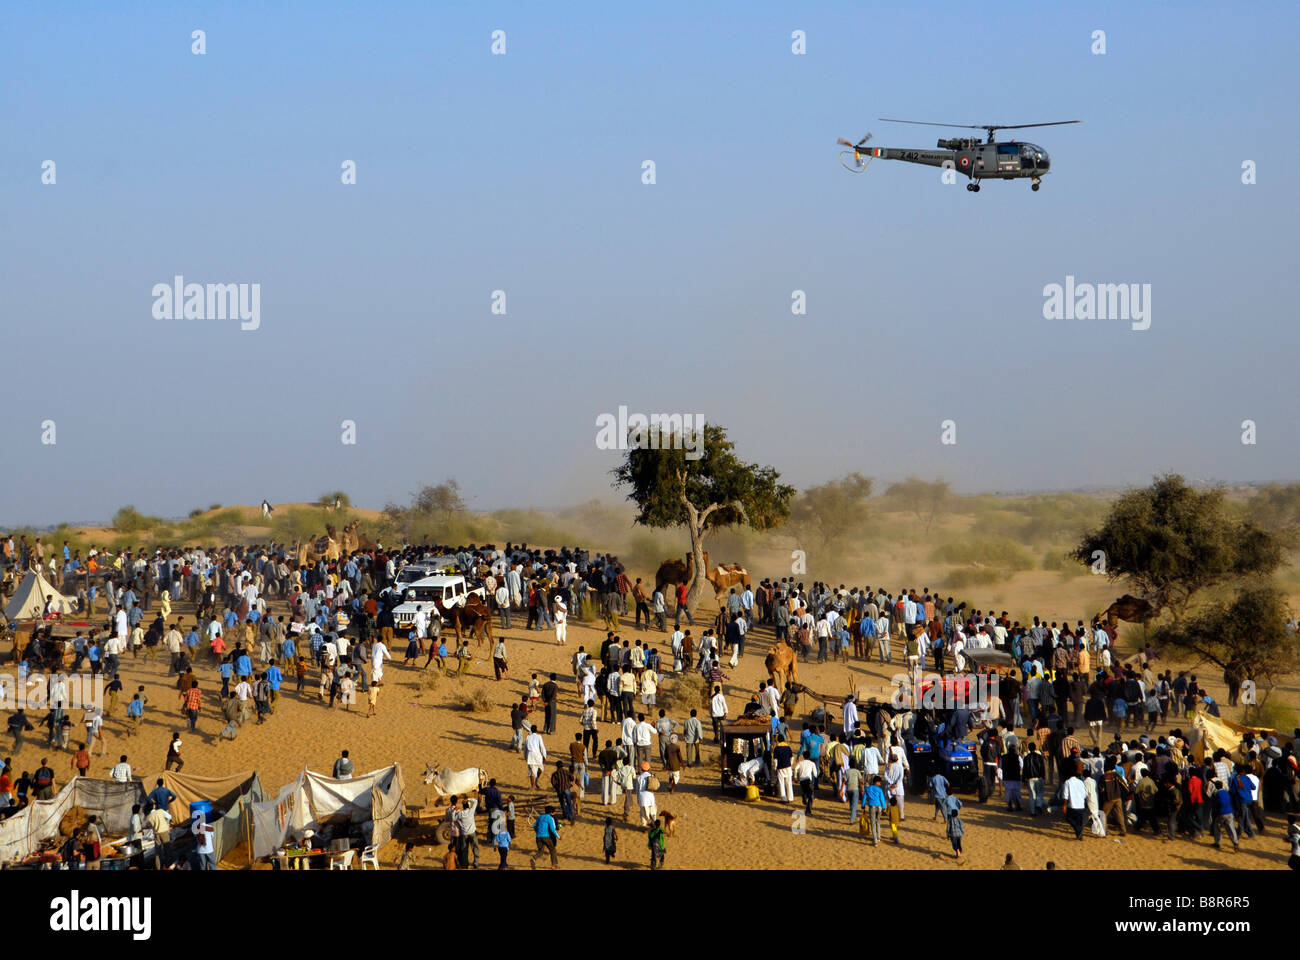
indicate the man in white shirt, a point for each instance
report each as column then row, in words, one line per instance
column 121, row 771
column 717, row 712
column 641, row 735
column 561, row 616
column 850, row 717
column 871, row 760
column 769, row 698
column 421, row 627
column 378, row 654
column 1074, row 801
column 534, row 756
column 629, row 736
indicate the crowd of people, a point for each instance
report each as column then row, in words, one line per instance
column 1087, row 745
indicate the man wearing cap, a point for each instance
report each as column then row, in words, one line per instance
column 645, row 797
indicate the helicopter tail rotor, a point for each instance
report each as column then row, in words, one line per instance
column 851, row 159
column 844, row 143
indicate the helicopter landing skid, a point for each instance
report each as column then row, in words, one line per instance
column 854, row 163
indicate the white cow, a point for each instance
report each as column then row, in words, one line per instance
column 447, row 781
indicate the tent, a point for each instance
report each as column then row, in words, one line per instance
column 21, row 834
column 313, row 801
column 232, row 799
column 28, row 601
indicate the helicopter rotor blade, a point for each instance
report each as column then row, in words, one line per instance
column 984, row 126
column 927, row 123
column 1022, row 126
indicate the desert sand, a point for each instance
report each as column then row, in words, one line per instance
column 416, row 725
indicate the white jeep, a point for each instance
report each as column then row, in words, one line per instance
column 434, row 595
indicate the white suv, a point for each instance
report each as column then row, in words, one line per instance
column 435, row 595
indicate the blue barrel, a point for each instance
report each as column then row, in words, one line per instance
column 201, row 806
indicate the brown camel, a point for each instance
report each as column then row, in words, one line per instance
column 723, row 577
column 782, row 664
column 1129, row 608
column 353, row 541
column 474, row 615
column 326, row 547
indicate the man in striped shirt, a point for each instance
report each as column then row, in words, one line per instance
column 192, row 699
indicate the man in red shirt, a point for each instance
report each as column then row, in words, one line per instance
column 80, row 761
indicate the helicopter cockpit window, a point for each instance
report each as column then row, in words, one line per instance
column 1009, row 148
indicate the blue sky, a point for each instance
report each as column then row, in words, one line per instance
column 522, row 173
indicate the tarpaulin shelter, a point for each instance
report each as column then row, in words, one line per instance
column 314, row 801
column 1211, row 733
column 28, row 601
column 231, row 797
column 110, row 801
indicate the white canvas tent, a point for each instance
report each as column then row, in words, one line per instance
column 21, row 834
column 28, row 601
column 314, row 800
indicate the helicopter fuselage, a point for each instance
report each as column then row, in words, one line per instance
column 978, row 161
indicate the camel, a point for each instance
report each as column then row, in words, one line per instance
column 326, row 547
column 782, row 664
column 723, row 577
column 353, row 541
column 474, row 614
column 1130, row 608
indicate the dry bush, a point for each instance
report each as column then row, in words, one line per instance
column 476, row 701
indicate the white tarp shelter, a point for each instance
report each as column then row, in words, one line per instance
column 28, row 601
column 21, row 834
column 314, row 801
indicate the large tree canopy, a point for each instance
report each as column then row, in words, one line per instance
column 1250, row 629
column 926, row 500
column 833, row 511
column 716, row 489
column 1172, row 541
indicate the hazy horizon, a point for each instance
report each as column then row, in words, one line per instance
column 522, row 173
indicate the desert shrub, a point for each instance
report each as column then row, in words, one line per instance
column 960, row 577
column 1272, row 713
column 475, row 701
column 130, row 520
column 1002, row 553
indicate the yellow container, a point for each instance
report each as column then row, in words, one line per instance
column 751, row 792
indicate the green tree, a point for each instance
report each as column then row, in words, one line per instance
column 833, row 511
column 443, row 500
column 1172, row 541
column 925, row 500
column 129, row 520
column 1251, row 629
column 705, row 494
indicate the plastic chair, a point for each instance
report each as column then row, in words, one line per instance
column 370, row 855
column 341, row 861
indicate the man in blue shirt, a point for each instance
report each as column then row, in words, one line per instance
column 874, row 808
column 244, row 666
column 1223, row 816
column 160, row 796
column 227, row 670
column 274, row 678
column 547, row 834
column 939, row 791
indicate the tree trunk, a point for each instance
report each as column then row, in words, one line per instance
column 699, row 578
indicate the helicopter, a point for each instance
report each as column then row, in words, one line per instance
column 990, row 160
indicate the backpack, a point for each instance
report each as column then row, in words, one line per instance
column 43, row 777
